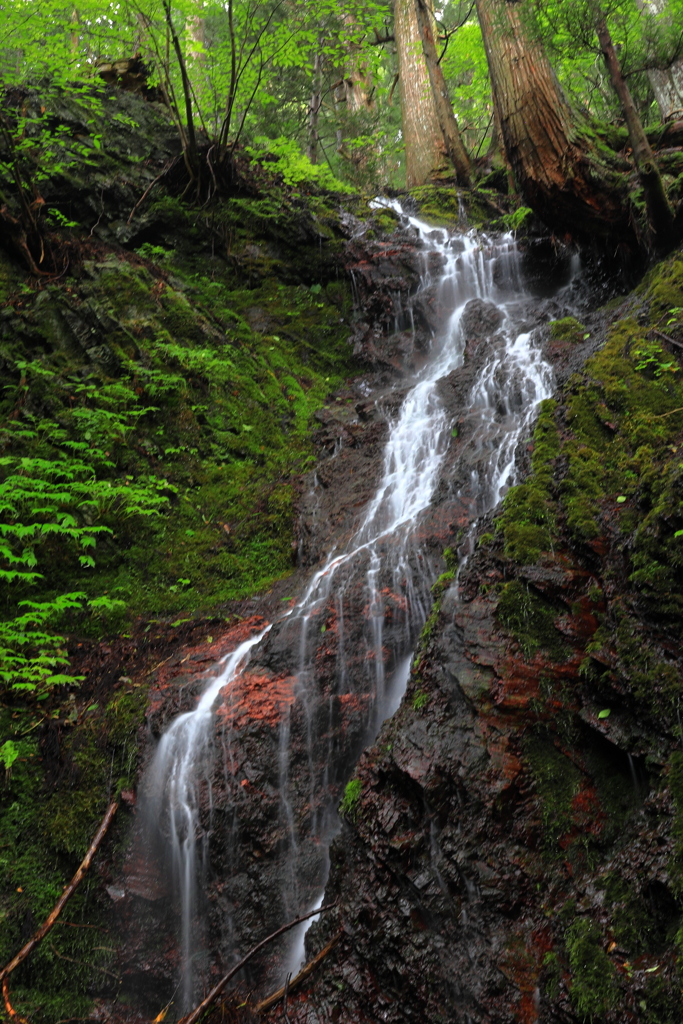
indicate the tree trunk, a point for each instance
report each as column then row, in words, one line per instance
column 455, row 150
column 666, row 83
column 314, row 106
column 559, row 171
column 422, row 136
column 659, row 212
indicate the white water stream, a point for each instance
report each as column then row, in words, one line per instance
column 384, row 548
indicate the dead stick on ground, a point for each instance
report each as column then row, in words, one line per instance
column 665, row 337
column 69, row 890
column 301, row 976
column 213, row 995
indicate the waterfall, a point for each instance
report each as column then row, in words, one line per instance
column 385, row 561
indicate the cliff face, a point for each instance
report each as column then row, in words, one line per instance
column 513, row 850
column 511, row 847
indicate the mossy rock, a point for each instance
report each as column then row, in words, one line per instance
column 594, row 989
column 438, row 205
column 530, row 620
column 567, row 329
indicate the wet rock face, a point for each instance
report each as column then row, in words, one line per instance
column 264, row 722
column 514, row 850
column 501, row 826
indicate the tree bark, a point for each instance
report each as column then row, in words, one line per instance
column 314, row 106
column 666, row 83
column 422, row 136
column 660, row 214
column 453, row 144
column 559, row 171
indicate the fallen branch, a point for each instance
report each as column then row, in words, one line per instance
column 301, row 976
column 213, row 995
column 68, row 892
column 665, row 337
column 488, row 201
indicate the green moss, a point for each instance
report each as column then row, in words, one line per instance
column 567, row 329
column 438, row 205
column 557, row 781
column 593, row 988
column 228, row 422
column 530, row 620
column 662, row 1001
column 633, row 924
column 438, row 589
column 348, row 808
column 665, row 289
column 386, row 220
column 46, row 827
column 528, row 518
column 450, row 557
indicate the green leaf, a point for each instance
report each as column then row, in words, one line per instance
column 605, row 713
column 621, row 499
column 8, row 754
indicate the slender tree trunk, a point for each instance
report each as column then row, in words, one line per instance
column 455, row 149
column 666, row 83
column 422, row 136
column 314, row 106
column 659, row 212
column 191, row 158
column 556, row 165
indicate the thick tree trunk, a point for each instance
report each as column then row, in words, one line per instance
column 455, row 149
column 659, row 212
column 666, row 83
column 556, row 163
column 424, row 142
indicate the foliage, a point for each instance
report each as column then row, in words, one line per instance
column 348, row 807
column 53, row 502
column 284, row 157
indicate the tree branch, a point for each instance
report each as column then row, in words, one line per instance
column 68, row 892
column 213, row 995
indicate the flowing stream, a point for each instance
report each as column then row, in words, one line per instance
column 386, row 555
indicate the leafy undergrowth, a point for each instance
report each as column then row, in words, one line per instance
column 168, row 448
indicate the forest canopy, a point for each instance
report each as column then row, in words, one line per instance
column 322, row 78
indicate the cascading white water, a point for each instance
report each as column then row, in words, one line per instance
column 384, row 551
column 173, row 788
column 413, row 458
